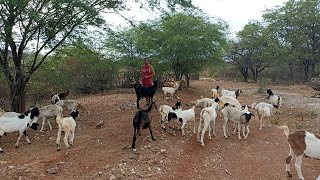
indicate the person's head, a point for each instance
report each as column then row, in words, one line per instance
column 146, row 60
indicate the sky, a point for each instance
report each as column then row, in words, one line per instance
column 236, row 13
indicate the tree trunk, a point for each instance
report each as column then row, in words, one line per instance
column 188, row 80
column 18, row 96
column 244, row 73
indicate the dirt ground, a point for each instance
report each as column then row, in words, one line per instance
column 100, row 152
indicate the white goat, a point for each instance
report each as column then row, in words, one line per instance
column 264, row 111
column 184, row 116
column 301, row 143
column 9, row 114
column 68, row 125
column 208, row 116
column 49, row 111
column 234, row 94
column 20, row 123
column 170, row 90
column 202, row 103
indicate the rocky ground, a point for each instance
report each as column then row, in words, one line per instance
column 101, row 140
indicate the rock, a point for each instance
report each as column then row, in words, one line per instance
column 162, row 151
column 27, row 170
column 112, row 177
column 53, row 170
column 315, row 83
column 100, row 124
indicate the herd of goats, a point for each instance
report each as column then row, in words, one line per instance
column 301, row 143
column 223, row 102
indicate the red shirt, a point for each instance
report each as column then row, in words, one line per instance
column 146, row 71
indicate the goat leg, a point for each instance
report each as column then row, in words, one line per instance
column 150, row 129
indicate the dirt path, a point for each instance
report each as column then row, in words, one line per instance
column 100, row 153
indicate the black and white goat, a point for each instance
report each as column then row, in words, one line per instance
column 275, row 100
column 20, row 123
column 144, row 91
column 164, row 111
column 184, row 116
column 142, row 120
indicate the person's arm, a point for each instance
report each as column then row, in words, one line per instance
column 152, row 71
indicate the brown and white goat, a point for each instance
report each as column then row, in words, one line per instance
column 301, row 143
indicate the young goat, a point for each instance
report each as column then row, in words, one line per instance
column 20, row 123
column 164, row 111
column 184, row 117
column 142, row 120
column 170, row 90
column 49, row 111
column 143, row 91
column 274, row 99
column 301, row 143
column 208, row 115
column 215, row 93
column 55, row 98
column 68, row 126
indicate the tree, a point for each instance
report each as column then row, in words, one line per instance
column 297, row 27
column 256, row 50
column 38, row 27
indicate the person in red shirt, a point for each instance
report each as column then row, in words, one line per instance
column 147, row 73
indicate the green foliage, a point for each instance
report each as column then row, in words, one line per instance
column 182, row 43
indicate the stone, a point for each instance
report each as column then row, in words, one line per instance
column 53, row 170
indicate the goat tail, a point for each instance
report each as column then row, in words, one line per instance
column 285, row 129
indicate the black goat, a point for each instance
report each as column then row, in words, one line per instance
column 143, row 91
column 63, row 95
column 142, row 119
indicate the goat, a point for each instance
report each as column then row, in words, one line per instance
column 49, row 111
column 301, row 143
column 215, row 93
column 71, row 105
column 165, row 109
column 63, row 95
column 274, row 99
column 68, row 125
column 20, row 123
column 170, row 90
column 227, row 99
column 234, row 94
column 240, row 118
column 202, row 103
column 143, row 91
column 142, row 120
column 208, row 115
column 55, row 98
column 264, row 110
column 184, row 116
